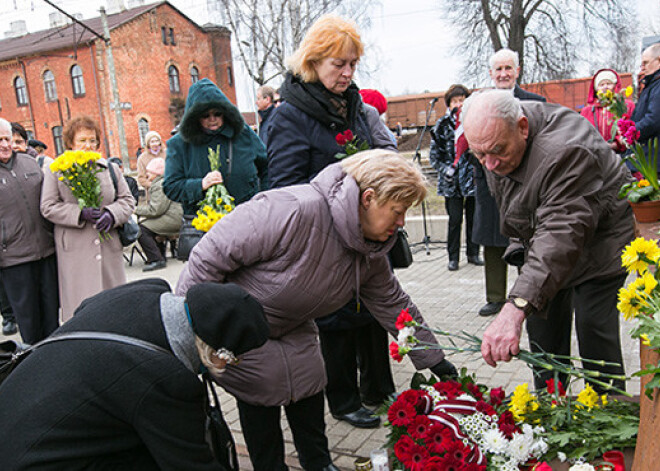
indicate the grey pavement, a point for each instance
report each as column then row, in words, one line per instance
column 448, row 300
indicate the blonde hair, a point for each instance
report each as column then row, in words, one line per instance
column 329, row 36
column 391, row 176
column 205, row 353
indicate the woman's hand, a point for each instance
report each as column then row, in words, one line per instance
column 105, row 222
column 90, row 215
column 211, row 178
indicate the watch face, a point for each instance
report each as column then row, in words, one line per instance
column 520, row 303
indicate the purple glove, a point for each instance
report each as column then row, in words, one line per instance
column 90, row 214
column 105, row 222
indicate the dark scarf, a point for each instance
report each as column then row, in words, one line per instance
column 337, row 112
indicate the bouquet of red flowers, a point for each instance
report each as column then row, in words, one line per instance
column 350, row 143
column 459, row 425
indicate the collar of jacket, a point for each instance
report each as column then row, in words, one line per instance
column 651, row 78
column 310, row 98
column 519, row 173
column 178, row 330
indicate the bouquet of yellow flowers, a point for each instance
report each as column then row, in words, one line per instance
column 217, row 202
column 78, row 171
column 640, row 300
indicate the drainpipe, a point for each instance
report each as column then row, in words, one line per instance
column 27, row 90
column 106, row 143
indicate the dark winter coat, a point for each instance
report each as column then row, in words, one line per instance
column 561, row 202
column 442, row 157
column 301, row 253
column 486, row 229
column 264, row 116
column 90, row 404
column 242, row 154
column 647, row 112
column 301, row 132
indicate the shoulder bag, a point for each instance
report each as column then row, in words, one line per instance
column 129, row 232
column 218, row 435
column 400, row 253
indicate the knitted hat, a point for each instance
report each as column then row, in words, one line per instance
column 454, row 91
column 156, row 166
column 150, row 135
column 375, row 99
column 225, row 316
column 605, row 75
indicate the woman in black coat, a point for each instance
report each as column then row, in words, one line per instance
column 97, row 404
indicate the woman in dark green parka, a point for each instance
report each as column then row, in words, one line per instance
column 210, row 119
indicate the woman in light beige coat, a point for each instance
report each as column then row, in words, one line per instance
column 154, row 148
column 86, row 264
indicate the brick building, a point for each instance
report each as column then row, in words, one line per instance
column 49, row 76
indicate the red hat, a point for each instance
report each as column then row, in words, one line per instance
column 375, row 99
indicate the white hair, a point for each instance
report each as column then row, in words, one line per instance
column 500, row 104
column 502, row 55
column 5, row 124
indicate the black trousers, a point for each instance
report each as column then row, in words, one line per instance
column 5, row 306
column 344, row 351
column 153, row 250
column 495, row 270
column 32, row 291
column 596, row 323
column 454, row 207
column 265, row 442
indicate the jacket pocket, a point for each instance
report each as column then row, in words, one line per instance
column 520, row 224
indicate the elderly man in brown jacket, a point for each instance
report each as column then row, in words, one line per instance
column 27, row 251
column 556, row 182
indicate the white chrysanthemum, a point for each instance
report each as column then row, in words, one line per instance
column 510, row 465
column 466, row 397
column 582, row 467
column 519, row 447
column 539, row 448
column 562, row 456
column 494, row 441
column 404, row 336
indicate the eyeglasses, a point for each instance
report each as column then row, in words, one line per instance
column 214, row 114
column 82, row 142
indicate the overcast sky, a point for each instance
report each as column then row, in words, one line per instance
column 408, row 44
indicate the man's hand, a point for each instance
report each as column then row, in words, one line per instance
column 211, row 178
column 448, row 175
column 502, row 337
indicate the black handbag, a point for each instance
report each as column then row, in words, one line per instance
column 400, row 254
column 218, row 435
column 188, row 238
column 129, row 232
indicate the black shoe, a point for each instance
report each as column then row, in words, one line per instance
column 452, row 265
column 475, row 260
column 361, row 418
column 9, row 327
column 157, row 265
column 490, row 309
column 330, row 467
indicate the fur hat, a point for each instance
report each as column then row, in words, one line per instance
column 150, row 135
column 454, row 91
column 226, row 316
column 375, row 99
column 605, row 75
column 156, row 166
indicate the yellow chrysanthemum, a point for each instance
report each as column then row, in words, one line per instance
column 643, row 182
column 609, row 94
column 629, row 90
column 522, row 402
column 646, row 282
column 629, row 302
column 645, row 340
column 636, row 254
column 604, row 400
column 228, row 207
column 588, row 398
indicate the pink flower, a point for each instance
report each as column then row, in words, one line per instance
column 394, row 352
column 404, row 317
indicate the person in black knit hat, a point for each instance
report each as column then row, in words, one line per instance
column 78, row 404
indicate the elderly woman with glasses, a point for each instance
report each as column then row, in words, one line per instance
column 86, row 265
column 210, row 121
column 303, row 252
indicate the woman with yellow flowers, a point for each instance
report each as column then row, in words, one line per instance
column 89, row 253
column 606, row 82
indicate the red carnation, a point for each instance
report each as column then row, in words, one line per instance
column 550, row 385
column 341, row 139
column 348, row 134
column 401, row 414
column 475, row 391
column 485, row 408
column 394, row 352
column 507, row 425
column 418, row 427
column 404, row 317
column 497, row 396
column 451, row 389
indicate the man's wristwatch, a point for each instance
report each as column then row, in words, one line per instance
column 522, row 304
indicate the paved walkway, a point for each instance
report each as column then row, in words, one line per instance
column 448, row 300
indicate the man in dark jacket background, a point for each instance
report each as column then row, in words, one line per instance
column 265, row 106
column 556, row 183
column 504, row 70
column 647, row 111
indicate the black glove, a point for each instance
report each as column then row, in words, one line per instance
column 105, row 222
column 444, row 369
column 90, row 214
column 448, row 175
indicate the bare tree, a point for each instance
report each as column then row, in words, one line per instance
column 268, row 31
column 552, row 37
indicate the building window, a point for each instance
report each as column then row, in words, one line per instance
column 57, row 138
column 77, row 81
column 143, row 129
column 194, row 74
column 49, row 86
column 172, row 41
column 21, row 91
column 163, row 34
column 230, row 78
column 173, row 74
